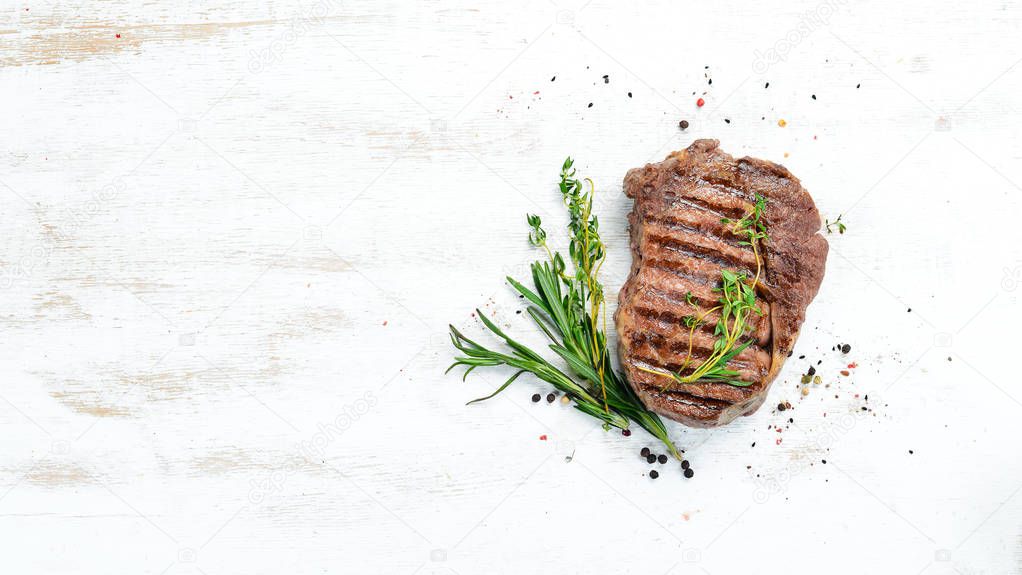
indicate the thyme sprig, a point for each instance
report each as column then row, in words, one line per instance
column 569, row 307
column 841, row 227
column 736, row 304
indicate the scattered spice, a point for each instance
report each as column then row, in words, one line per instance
column 550, row 397
column 814, row 96
column 805, row 391
column 554, row 78
column 626, row 432
column 767, row 85
column 542, row 437
column 844, row 372
column 606, row 79
column 685, row 464
column 846, row 348
column 683, row 124
column 781, row 407
column 654, row 474
column 650, row 458
column 817, row 380
column 700, row 102
column 689, row 473
column 662, row 459
column 629, row 94
column 535, row 398
column 566, row 400
column 782, row 123
column 644, row 452
column 590, row 105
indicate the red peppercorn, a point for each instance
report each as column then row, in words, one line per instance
column 700, row 102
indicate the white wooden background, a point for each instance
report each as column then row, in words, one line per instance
column 235, row 234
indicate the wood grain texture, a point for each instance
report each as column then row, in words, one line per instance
column 235, row 236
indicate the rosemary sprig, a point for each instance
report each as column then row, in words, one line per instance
column 736, row 305
column 569, row 307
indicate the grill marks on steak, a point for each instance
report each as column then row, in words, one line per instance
column 679, row 246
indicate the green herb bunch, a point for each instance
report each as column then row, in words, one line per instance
column 569, row 307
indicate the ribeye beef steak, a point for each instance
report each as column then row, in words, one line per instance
column 680, row 245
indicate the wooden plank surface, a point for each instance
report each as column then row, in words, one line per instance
column 236, row 233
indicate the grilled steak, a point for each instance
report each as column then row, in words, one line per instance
column 680, row 245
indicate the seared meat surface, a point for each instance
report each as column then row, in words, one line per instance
column 679, row 247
